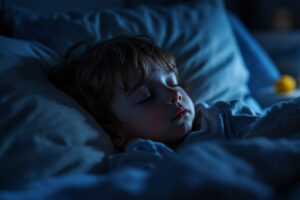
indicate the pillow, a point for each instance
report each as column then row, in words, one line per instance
column 263, row 72
column 43, row 131
column 197, row 33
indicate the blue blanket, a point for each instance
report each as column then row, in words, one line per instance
column 260, row 162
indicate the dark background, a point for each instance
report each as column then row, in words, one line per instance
column 275, row 25
column 264, row 14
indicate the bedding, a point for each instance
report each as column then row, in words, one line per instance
column 209, row 62
column 257, row 168
column 42, row 129
column 42, row 121
column 263, row 72
column 50, row 147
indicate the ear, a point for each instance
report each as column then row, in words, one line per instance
column 118, row 137
column 119, row 142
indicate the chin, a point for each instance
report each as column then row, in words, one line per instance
column 186, row 128
column 173, row 144
column 181, row 134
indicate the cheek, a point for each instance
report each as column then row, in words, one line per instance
column 151, row 123
column 153, row 117
column 187, row 97
column 189, row 103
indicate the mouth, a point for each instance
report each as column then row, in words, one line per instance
column 181, row 112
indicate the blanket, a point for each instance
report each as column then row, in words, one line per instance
column 261, row 161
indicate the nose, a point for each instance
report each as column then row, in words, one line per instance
column 175, row 96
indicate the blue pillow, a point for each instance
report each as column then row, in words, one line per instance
column 263, row 72
column 197, row 33
column 43, row 131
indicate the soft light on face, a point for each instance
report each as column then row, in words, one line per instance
column 159, row 109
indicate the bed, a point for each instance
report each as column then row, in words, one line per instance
column 51, row 148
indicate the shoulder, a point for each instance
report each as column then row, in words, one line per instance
column 234, row 107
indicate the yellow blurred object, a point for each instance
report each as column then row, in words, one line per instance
column 285, row 84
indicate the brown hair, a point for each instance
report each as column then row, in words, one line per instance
column 89, row 76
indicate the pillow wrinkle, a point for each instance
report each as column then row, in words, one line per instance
column 41, row 128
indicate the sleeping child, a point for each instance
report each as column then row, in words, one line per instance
column 133, row 89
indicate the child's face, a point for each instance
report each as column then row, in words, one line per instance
column 159, row 109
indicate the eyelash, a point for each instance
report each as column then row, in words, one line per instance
column 176, row 85
column 145, row 100
column 179, row 84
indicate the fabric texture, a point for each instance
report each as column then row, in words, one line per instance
column 197, row 33
column 43, row 132
column 264, row 167
column 263, row 71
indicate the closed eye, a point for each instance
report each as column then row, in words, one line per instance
column 176, row 85
column 144, row 100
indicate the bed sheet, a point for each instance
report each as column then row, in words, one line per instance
column 250, row 169
column 255, row 168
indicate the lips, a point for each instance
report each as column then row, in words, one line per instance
column 180, row 112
